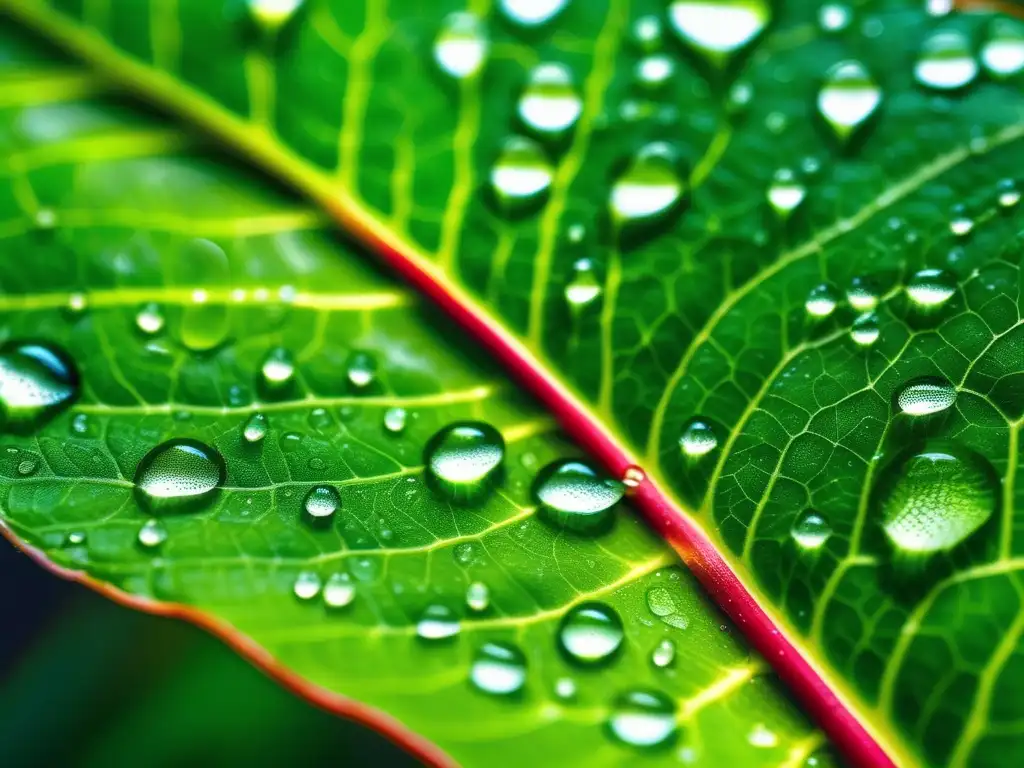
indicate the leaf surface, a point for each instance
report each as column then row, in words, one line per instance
column 108, row 216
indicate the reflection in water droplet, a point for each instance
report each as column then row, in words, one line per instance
column 478, row 596
column 255, row 428
column 307, row 585
column 848, row 97
column 321, row 502
column 178, row 471
column 821, row 301
column 361, row 369
column 277, row 368
column 438, row 622
column 584, row 287
column 152, row 534
column 590, row 633
column 698, row 439
column 664, row 653
column 464, row 458
column 946, row 62
column 865, row 330
column 149, row 319
column 461, row 45
column 394, row 420
column 931, row 288
column 36, row 381
column 498, row 668
column 532, row 13
column 933, row 499
column 1003, row 52
column 271, row 15
column 575, row 496
column 718, row 28
column 925, row 396
column 550, row 105
column 339, row 591
column 643, row 719
column 649, row 189
column 521, row 176
column 811, row 531
column 785, row 193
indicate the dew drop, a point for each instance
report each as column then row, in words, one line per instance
column 204, row 325
column 361, row 369
column 865, row 330
column 255, row 428
column 271, row 15
column 785, row 193
column 532, row 13
column 465, row 553
column 339, row 591
column 565, row 688
column 821, row 301
column 848, row 97
column 761, row 736
column 76, row 538
column 438, row 622
column 321, row 502
column 946, row 62
column 27, row 466
column 46, row 218
column 149, row 319
column 478, row 597
column 177, row 472
column 717, row 29
column 961, row 224
column 933, row 499
column 461, row 45
column 77, row 304
column 80, row 425
column 277, row 369
column 550, row 104
column 463, row 458
column 521, row 176
column 590, row 633
column 1008, row 194
column 655, row 70
column 834, row 17
column 925, row 396
column 573, row 495
column 499, row 669
column 931, row 288
column 643, row 719
column 661, row 603
column 1003, row 52
column 633, row 477
column 394, row 420
column 646, row 33
column 649, row 189
column 862, row 295
column 152, row 534
column 307, row 585
column 698, row 439
column 811, row 531
column 664, row 653
column 36, row 381
column 584, row 287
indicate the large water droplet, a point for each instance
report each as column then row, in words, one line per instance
column 933, row 499
column 1003, row 52
column 698, row 439
column 649, row 189
column 277, row 369
column 498, row 668
column 573, row 495
column 255, row 428
column 643, row 719
column 463, row 459
column 532, row 13
column 152, row 534
column 848, row 97
column 178, row 472
column 811, row 531
column 438, row 622
column 946, row 61
column 339, row 591
column 550, row 105
column 321, row 502
column 717, row 29
column 461, row 45
column 664, row 653
column 925, row 396
column 271, row 15
column 590, row 633
column 785, row 193
column 584, row 287
column 36, row 381
column 821, row 301
column 521, row 176
column 931, row 288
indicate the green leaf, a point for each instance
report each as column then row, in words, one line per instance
column 191, row 295
column 859, row 148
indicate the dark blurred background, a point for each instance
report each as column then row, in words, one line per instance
column 85, row 682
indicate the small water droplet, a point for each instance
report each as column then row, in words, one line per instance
column 464, row 458
column 785, row 193
column 81, row 425
column 361, row 369
column 465, row 553
column 862, row 295
column 438, row 622
column 961, row 224
column 255, row 428
column 271, row 15
column 661, row 603
column 848, row 97
column 664, row 653
column 655, row 70
column 394, row 420
column 933, row 499
column 925, row 396
column 698, row 439
column 338, row 590
column 149, row 319
column 27, row 466
column 1008, row 193
column 930, row 288
column 834, row 17
column 646, row 33
column 521, row 176
column 865, row 330
column 45, row 219
column 75, row 539
column 532, row 13
column 565, row 688
column 178, row 472
column 461, row 46
column 152, row 534
column 36, row 381
column 584, row 287
column 717, row 29
column 590, row 633
column 277, row 369
column 946, row 62
column 499, row 669
column 575, row 496
column 643, row 719
column 633, row 477
column 1003, row 51
column 550, row 104
column 307, row 585
column 821, row 301
column 811, row 531
column 204, row 324
column 321, row 502
column 761, row 736
column 320, row 419
column 478, row 597
column 649, row 189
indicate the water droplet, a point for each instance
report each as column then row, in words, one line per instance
column 466, row 553
column 1003, row 52
column 36, row 381
column 204, row 325
column 307, row 585
column 698, row 439
column 46, row 218
column 27, row 466
column 463, row 459
column 521, row 176
column 661, row 603
column 862, row 295
column 811, row 531
column 1009, row 195
column 339, row 591
column 961, row 224
column 643, row 719
column 271, row 15
column 590, row 633
column 649, row 189
column 785, row 193
column 821, row 301
column 834, row 17
column 664, row 653
column 925, row 396
column 865, row 330
column 478, row 597
column 575, row 496
column 646, row 33
column 532, row 13
column 498, row 668
column 461, row 45
column 654, row 71
column 946, row 62
column 76, row 539
column 848, row 97
column 361, row 369
column 717, row 29
column 761, row 736
column 321, row 502
column 394, row 420
column 438, row 622
column 255, row 428
column 584, row 287
column 177, row 472
column 550, row 105
column 931, row 288
column 933, row 499
column 277, row 369
column 77, row 304
column 633, row 477
column 149, row 319
column 152, row 534
column 565, row 688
